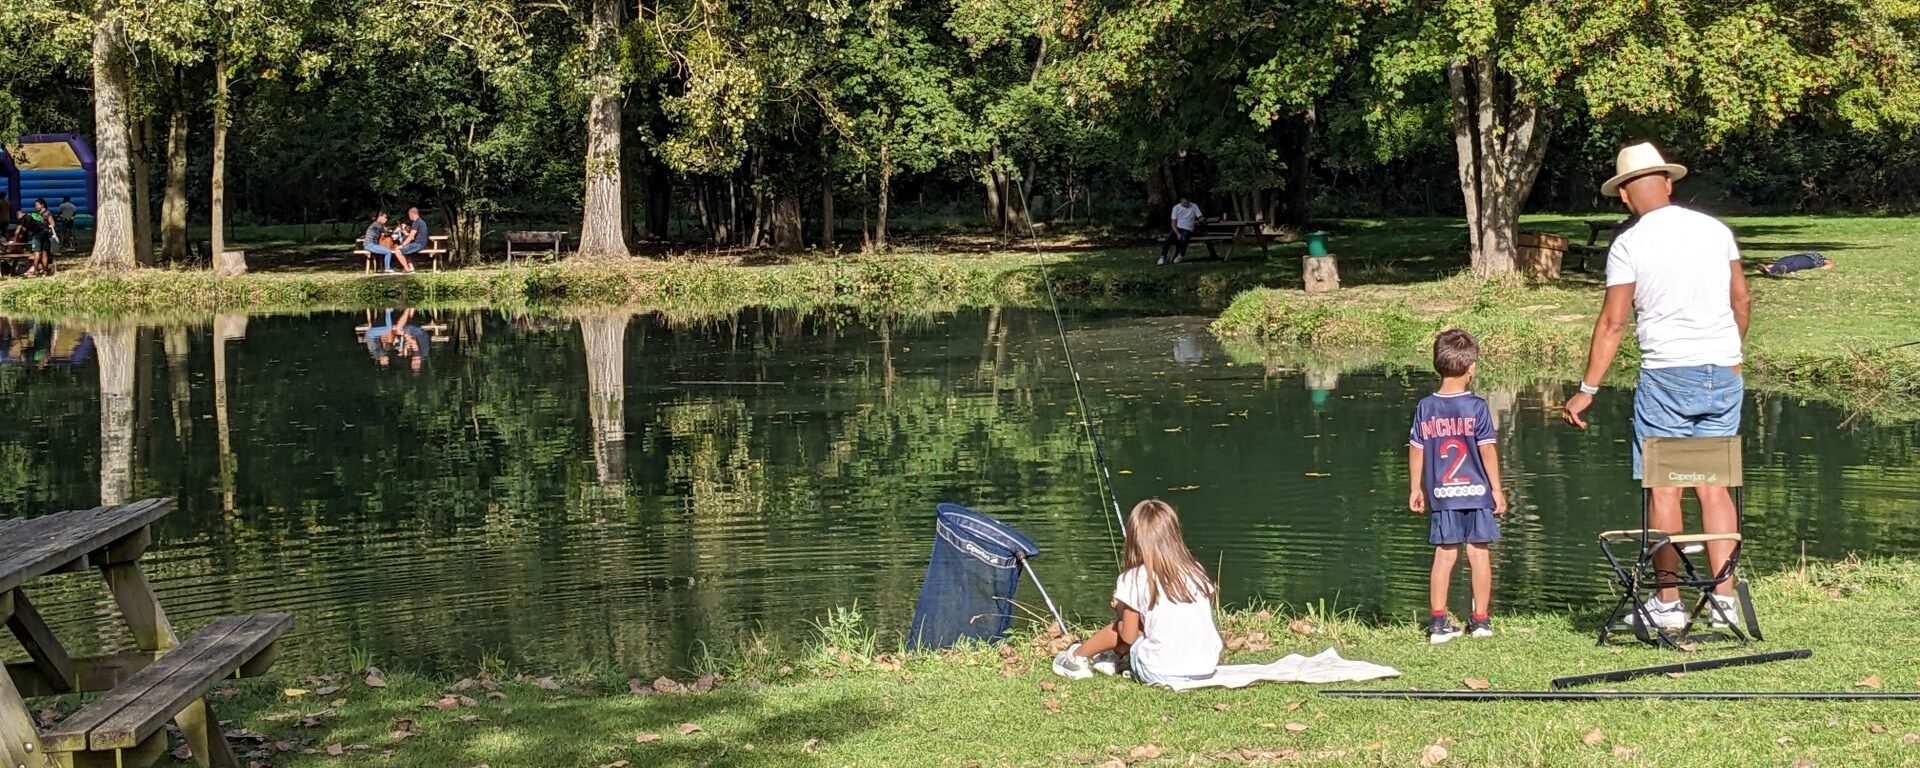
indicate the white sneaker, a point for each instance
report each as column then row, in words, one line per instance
column 1072, row 667
column 1160, row 262
column 1724, row 612
column 1665, row 615
column 1105, row 662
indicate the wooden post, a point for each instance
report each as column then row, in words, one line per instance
column 230, row 263
column 1322, row 275
column 152, row 632
column 19, row 739
column 42, row 648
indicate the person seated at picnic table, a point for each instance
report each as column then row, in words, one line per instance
column 1181, row 223
column 1797, row 263
column 415, row 237
column 379, row 240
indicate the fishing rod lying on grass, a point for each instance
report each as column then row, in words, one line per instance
column 1629, row 695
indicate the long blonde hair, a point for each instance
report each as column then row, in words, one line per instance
column 1155, row 544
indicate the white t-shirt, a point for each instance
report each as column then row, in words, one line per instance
column 1175, row 638
column 1681, row 264
column 1185, row 215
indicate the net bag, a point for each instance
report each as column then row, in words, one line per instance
column 968, row 593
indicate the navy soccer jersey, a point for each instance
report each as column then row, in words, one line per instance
column 1449, row 430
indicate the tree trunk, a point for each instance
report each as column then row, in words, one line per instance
column 173, row 203
column 602, row 233
column 605, row 338
column 113, row 212
column 787, row 226
column 217, row 231
column 990, row 178
column 659, row 197
column 465, row 231
column 180, row 382
column 119, row 355
column 880, row 202
column 142, row 196
column 1498, row 150
column 826, row 203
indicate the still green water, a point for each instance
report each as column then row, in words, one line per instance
column 624, row 490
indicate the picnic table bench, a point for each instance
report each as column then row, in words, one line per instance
column 551, row 240
column 164, row 679
column 1233, row 232
column 436, row 248
column 1595, row 228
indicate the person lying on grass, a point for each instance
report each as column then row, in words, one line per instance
column 1163, row 608
column 1796, row 263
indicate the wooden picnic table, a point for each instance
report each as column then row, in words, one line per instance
column 551, row 239
column 1596, row 228
column 164, row 679
column 1233, row 232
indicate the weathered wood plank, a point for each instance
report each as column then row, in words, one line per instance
column 71, row 734
column 91, row 674
column 188, row 682
column 139, row 607
column 42, row 647
column 43, row 544
column 20, row 744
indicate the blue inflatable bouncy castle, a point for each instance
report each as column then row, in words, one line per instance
column 51, row 167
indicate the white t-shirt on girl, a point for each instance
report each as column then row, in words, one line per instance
column 1175, row 638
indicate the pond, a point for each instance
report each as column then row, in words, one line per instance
column 631, row 490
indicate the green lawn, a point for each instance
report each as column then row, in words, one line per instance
column 845, row 705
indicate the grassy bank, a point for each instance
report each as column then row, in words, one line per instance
column 846, row 704
column 1844, row 334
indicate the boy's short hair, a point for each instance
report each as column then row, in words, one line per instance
column 1454, row 351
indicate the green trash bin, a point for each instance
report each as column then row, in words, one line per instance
column 1317, row 243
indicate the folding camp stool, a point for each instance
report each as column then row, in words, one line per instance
column 1670, row 462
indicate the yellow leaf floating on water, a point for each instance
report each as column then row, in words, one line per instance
column 1185, row 488
column 1319, row 474
column 1171, row 429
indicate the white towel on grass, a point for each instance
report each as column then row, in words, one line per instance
column 1324, row 667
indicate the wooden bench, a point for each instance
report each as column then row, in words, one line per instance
column 552, row 240
column 160, row 680
column 128, row 723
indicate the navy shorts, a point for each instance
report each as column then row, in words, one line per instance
column 1462, row 526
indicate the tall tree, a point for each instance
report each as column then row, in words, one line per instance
column 603, row 209
column 113, row 247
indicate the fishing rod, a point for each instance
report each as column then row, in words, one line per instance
column 1629, row 695
column 1079, row 390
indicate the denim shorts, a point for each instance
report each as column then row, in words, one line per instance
column 1461, row 526
column 1687, row 401
column 1142, row 674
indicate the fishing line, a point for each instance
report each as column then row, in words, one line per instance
column 1105, row 473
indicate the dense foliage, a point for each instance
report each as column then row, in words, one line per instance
column 763, row 123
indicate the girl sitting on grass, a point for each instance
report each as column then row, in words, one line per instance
column 1163, row 604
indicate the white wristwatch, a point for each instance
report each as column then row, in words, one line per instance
column 1589, row 389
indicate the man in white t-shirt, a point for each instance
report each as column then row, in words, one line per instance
column 1677, row 273
column 1180, row 227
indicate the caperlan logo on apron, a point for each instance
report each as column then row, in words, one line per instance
column 1698, row 478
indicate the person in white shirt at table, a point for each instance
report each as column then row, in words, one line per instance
column 1180, row 225
column 1677, row 274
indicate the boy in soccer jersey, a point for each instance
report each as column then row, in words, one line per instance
column 1456, row 482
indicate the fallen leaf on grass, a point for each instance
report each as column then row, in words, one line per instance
column 1676, row 675
column 1116, row 762
column 1300, row 627
column 1478, row 684
column 1910, row 739
column 1876, row 728
column 1052, row 704
column 665, row 685
column 1294, row 706
column 1048, row 686
column 1872, row 681
column 547, row 683
column 1593, row 738
column 1433, row 755
column 294, row 693
column 327, row 691
column 183, row 754
column 646, row 738
column 374, row 680
column 1625, row 752
column 1221, row 707
column 615, row 764
column 336, row 750
column 1144, row 752
column 689, row 729
column 705, row 683
column 810, row 746
column 1296, row 727
column 1784, row 740
column 638, row 687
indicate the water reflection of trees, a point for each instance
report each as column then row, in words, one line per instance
column 555, row 490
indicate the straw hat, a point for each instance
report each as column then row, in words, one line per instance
column 1636, row 161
